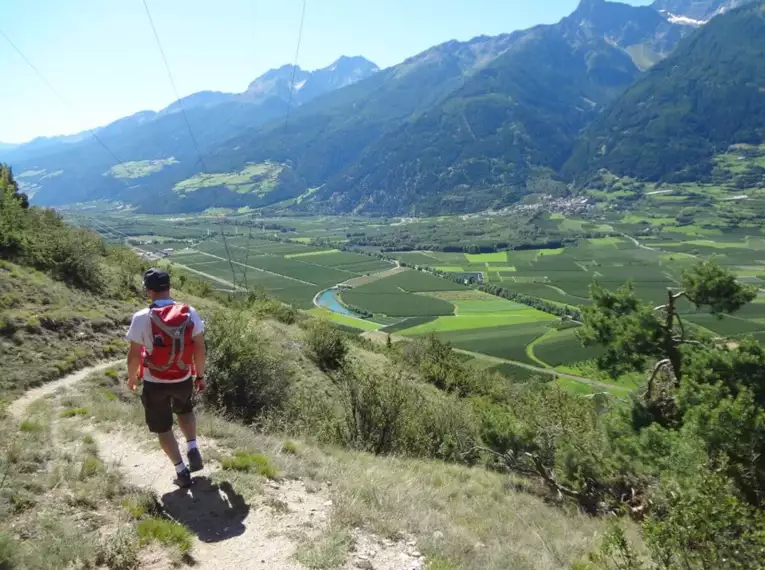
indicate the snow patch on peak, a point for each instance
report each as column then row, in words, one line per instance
column 682, row 20
column 299, row 85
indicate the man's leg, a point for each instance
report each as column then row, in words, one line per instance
column 188, row 424
column 157, row 402
column 183, row 405
column 170, row 446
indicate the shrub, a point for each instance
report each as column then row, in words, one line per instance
column 374, row 409
column 91, row 467
column 245, row 376
column 165, row 532
column 703, row 524
column 8, row 547
column 327, row 345
column 119, row 551
column 263, row 306
column 290, row 447
column 393, row 414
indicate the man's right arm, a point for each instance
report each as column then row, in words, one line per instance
column 135, row 336
column 134, row 364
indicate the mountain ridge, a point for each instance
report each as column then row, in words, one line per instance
column 460, row 126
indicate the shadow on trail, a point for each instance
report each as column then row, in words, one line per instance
column 214, row 512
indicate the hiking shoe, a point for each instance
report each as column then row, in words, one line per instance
column 195, row 460
column 183, row 479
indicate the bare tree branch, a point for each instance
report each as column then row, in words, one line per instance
column 656, row 369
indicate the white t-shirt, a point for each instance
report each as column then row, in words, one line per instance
column 140, row 332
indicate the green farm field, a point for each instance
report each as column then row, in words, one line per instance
column 293, row 259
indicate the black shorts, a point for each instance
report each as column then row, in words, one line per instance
column 161, row 399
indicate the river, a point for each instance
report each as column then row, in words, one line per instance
column 328, row 299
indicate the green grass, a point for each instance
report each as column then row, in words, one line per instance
column 323, row 313
column 140, row 168
column 310, row 253
column 30, row 426
column 492, row 305
column 393, row 295
column 72, row 412
column 400, row 304
column 407, row 323
column 250, row 462
column 607, row 241
column 563, row 347
column 508, row 342
column 165, row 532
column 478, row 321
column 496, row 257
column 726, row 326
column 257, row 179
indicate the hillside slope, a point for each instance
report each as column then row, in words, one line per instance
column 496, row 125
column 708, row 95
column 78, row 168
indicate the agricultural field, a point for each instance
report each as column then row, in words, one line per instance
column 294, row 259
column 291, row 272
column 258, row 179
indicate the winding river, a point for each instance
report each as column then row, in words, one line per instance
column 328, row 299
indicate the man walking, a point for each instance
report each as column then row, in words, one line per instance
column 167, row 354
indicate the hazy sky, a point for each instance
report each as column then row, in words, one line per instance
column 101, row 56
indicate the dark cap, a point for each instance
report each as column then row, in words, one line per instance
column 157, row 280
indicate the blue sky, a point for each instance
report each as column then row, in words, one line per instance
column 101, row 56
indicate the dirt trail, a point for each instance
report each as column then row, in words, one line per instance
column 243, row 528
column 17, row 407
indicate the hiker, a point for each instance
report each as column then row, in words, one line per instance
column 167, row 354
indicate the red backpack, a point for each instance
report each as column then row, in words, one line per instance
column 172, row 357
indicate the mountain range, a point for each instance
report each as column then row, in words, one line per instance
column 459, row 127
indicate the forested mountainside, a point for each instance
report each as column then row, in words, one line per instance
column 709, row 94
column 460, row 127
column 157, row 146
column 501, row 127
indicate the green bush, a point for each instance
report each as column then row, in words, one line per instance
column 326, row 344
column 392, row 413
column 701, row 523
column 245, row 377
column 375, row 408
column 264, row 307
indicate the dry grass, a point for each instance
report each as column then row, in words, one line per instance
column 328, row 551
column 49, row 330
column 467, row 518
column 60, row 506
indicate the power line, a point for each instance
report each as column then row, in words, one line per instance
column 191, row 131
column 172, row 83
column 63, row 99
column 295, row 64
